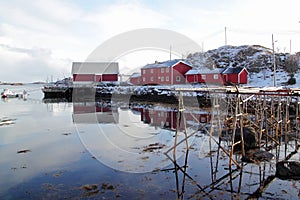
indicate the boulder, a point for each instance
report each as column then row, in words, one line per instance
column 288, row 170
column 250, row 138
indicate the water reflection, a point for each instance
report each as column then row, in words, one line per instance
column 127, row 139
column 93, row 113
column 125, row 133
column 120, row 137
column 38, row 128
column 158, row 116
column 166, row 117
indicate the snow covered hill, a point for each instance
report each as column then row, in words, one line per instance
column 257, row 59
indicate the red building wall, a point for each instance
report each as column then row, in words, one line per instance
column 241, row 78
column 83, row 77
column 164, row 75
column 98, row 78
column 95, row 78
column 109, row 77
column 209, row 78
column 135, row 80
column 232, row 78
column 194, row 78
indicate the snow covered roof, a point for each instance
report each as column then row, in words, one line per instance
column 135, row 75
column 95, row 68
column 168, row 63
column 205, row 71
column 233, row 70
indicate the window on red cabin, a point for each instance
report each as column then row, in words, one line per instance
column 162, row 70
column 167, row 78
column 203, row 77
column 152, row 79
column 151, row 71
column 216, row 76
column 178, row 78
column 167, row 69
column 144, row 71
column 144, row 79
column 162, row 78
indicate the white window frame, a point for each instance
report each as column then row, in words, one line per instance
column 162, row 70
column 162, row 78
column 203, row 76
column 162, row 123
column 177, row 78
column 167, row 78
column 151, row 79
column 144, row 79
column 167, row 70
column 151, row 71
column 144, row 71
column 216, row 76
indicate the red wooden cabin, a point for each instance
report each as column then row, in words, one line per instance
column 205, row 75
column 237, row 75
column 165, row 73
column 93, row 72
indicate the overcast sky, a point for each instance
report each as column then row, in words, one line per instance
column 40, row 39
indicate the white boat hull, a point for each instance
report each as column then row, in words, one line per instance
column 10, row 94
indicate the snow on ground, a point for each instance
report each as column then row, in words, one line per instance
column 266, row 79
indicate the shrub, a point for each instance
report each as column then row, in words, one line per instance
column 292, row 80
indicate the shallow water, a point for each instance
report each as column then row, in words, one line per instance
column 116, row 151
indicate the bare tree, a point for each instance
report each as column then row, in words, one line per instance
column 291, row 64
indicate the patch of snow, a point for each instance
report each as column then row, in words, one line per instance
column 266, row 79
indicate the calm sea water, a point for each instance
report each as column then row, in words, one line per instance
column 108, row 150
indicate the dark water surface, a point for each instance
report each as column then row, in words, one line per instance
column 112, row 151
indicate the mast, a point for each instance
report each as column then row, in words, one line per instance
column 274, row 61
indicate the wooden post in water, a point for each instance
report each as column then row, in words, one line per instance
column 297, row 117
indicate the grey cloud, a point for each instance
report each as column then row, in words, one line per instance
column 32, row 69
column 34, row 52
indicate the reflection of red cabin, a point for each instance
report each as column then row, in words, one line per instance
column 159, row 118
column 93, row 113
column 135, row 79
column 167, row 119
column 237, row 75
column 165, row 73
column 205, row 75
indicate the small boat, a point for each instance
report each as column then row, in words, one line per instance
column 10, row 94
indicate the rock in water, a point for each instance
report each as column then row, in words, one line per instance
column 256, row 156
column 250, row 138
column 288, row 170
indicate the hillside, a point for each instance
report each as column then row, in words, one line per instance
column 257, row 59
